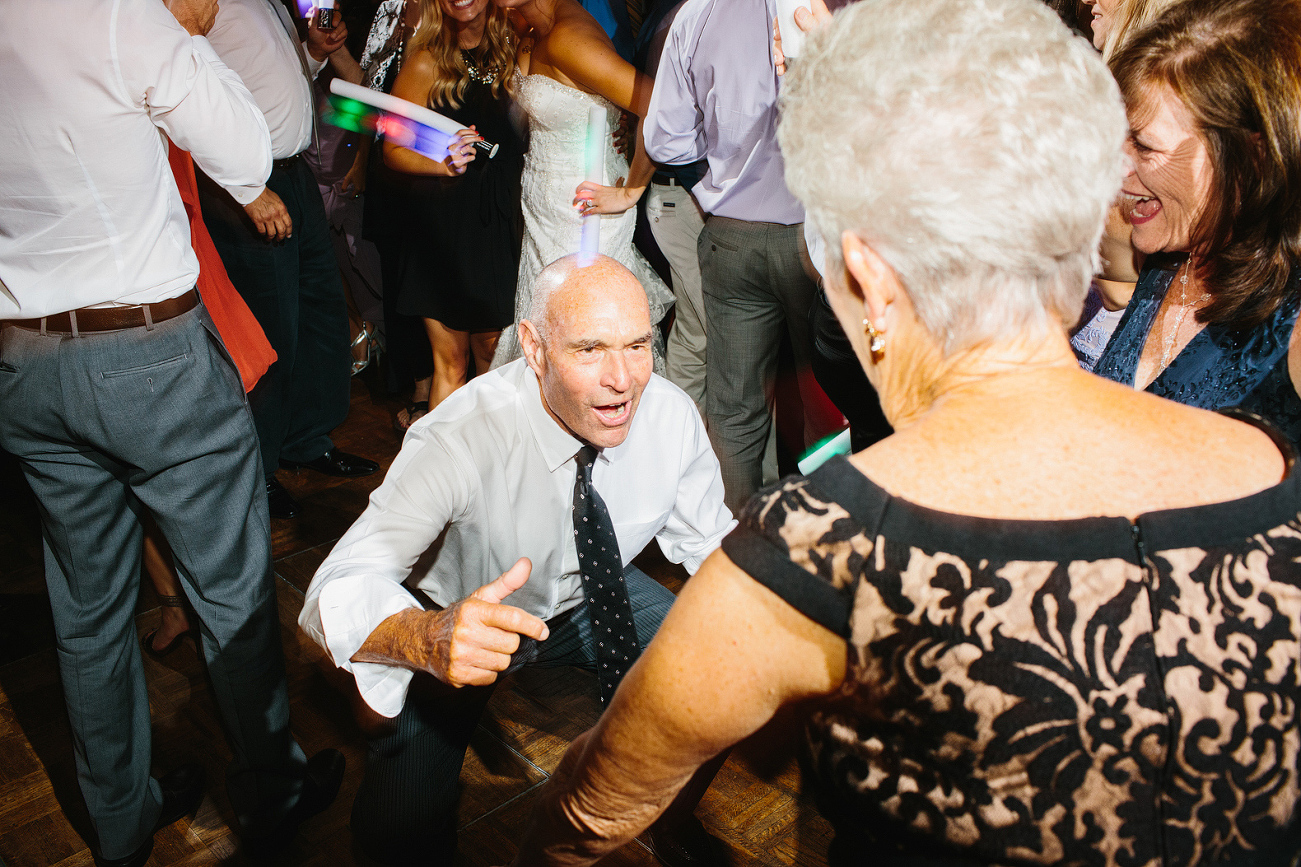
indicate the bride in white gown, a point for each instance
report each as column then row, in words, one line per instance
column 571, row 67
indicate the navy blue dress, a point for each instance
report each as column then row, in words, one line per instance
column 1219, row 368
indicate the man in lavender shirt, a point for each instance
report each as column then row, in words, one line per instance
column 715, row 98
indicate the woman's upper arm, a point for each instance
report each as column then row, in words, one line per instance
column 587, row 57
column 415, row 80
column 729, row 654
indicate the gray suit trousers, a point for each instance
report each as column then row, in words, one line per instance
column 106, row 426
column 755, row 288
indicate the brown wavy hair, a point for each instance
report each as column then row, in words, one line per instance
column 1236, row 66
column 450, row 73
column 1130, row 16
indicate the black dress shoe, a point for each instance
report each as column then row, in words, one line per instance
column 279, row 501
column 182, row 792
column 685, row 844
column 320, row 786
column 335, row 463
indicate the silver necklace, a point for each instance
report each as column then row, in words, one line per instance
column 483, row 75
column 1181, row 314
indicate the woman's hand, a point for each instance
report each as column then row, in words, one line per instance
column 593, row 198
column 461, row 152
column 808, row 20
column 622, row 134
column 354, row 182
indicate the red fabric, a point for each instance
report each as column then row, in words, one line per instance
column 235, row 323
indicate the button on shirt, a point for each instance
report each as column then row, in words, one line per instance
column 715, row 98
column 252, row 37
column 494, row 468
column 89, row 213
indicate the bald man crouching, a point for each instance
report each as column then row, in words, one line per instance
column 551, row 472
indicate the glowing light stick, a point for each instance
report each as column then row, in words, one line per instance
column 828, row 448
column 426, row 132
column 590, row 242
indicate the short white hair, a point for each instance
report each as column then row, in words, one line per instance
column 974, row 144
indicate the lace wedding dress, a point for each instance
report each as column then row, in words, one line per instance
column 553, row 169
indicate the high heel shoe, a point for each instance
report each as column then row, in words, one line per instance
column 365, row 336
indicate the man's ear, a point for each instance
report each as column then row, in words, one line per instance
column 870, row 278
column 531, row 343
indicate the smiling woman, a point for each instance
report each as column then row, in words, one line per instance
column 1212, row 90
column 460, row 235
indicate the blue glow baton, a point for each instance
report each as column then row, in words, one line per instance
column 590, row 241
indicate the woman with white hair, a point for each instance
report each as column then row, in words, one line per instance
column 1051, row 620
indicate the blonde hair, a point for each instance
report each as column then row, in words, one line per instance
column 451, row 75
column 1131, row 17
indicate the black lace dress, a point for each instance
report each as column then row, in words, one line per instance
column 1083, row 692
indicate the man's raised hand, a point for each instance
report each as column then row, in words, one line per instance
column 467, row 644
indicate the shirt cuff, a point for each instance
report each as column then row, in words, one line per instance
column 245, row 195
column 204, row 49
column 314, row 66
column 350, row 609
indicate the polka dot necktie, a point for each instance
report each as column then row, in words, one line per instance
column 604, row 590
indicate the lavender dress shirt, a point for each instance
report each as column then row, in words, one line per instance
column 715, row 98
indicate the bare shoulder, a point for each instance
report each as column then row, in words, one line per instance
column 1097, row 448
column 416, row 78
column 1233, row 456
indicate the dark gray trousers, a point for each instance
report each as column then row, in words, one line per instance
column 106, row 426
column 755, row 289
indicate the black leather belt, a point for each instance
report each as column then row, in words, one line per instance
column 287, row 163
column 88, row 319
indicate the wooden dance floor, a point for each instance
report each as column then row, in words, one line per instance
column 754, row 805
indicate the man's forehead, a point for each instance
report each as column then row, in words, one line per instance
column 586, row 310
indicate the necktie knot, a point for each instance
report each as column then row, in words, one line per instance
column 586, row 458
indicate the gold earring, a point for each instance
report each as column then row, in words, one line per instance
column 876, row 340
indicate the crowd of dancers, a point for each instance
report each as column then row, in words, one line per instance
column 1047, row 612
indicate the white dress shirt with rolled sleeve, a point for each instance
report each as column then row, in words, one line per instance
column 89, row 213
column 495, row 470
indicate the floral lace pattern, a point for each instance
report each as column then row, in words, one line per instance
column 1105, row 710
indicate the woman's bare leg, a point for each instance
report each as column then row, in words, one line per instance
column 483, row 344
column 451, row 360
column 158, row 565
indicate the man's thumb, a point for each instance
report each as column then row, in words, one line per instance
column 511, row 580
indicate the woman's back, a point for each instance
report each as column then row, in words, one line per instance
column 1060, row 443
column 1093, row 691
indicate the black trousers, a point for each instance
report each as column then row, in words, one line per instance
column 839, row 372
column 294, row 290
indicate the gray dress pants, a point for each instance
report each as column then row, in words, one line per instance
column 755, row 288
column 106, row 426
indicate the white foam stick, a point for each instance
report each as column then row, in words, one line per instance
column 792, row 35
column 403, row 108
column 590, row 242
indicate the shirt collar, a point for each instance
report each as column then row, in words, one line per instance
column 557, row 445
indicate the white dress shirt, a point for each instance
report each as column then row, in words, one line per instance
column 252, row 37
column 89, row 213
column 493, row 468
